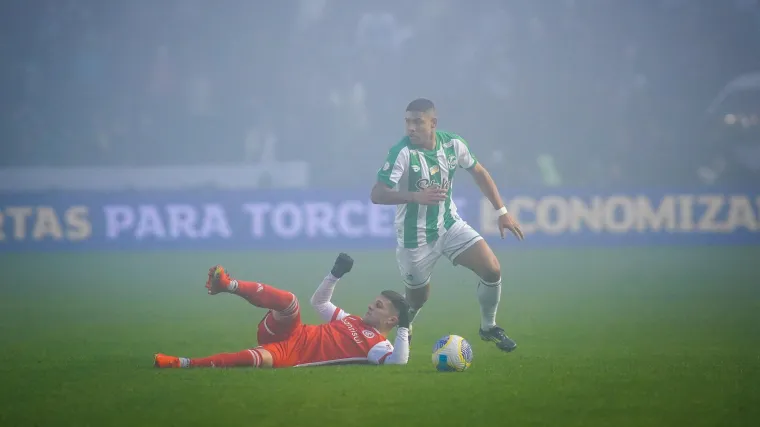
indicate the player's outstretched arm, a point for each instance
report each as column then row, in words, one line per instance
column 488, row 188
column 320, row 300
column 486, row 184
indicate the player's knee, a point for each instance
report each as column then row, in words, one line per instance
column 491, row 269
column 293, row 299
column 418, row 296
column 414, row 282
column 290, row 307
column 267, row 359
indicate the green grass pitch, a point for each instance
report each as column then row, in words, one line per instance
column 607, row 337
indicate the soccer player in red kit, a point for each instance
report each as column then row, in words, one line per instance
column 283, row 341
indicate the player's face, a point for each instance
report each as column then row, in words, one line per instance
column 381, row 313
column 420, row 126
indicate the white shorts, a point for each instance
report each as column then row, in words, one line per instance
column 416, row 264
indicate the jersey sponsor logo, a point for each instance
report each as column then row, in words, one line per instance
column 352, row 330
column 424, row 183
column 415, row 168
column 369, row 334
column 452, row 162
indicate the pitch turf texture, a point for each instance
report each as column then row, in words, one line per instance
column 625, row 337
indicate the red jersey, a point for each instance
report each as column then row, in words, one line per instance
column 345, row 339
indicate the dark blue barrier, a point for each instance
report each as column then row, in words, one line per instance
column 294, row 220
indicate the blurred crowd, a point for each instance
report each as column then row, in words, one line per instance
column 586, row 93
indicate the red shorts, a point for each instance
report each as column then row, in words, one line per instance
column 281, row 338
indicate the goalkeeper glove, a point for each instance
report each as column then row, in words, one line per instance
column 342, row 265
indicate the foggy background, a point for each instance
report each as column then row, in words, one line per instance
column 584, row 93
column 622, row 134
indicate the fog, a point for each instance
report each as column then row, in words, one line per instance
column 565, row 93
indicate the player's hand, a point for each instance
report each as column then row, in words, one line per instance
column 343, row 265
column 430, row 196
column 508, row 222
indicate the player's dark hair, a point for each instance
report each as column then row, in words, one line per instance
column 395, row 298
column 420, row 105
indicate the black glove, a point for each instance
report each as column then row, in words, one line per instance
column 342, row 265
column 403, row 314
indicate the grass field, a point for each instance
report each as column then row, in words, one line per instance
column 623, row 337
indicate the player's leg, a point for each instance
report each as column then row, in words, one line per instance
column 252, row 358
column 283, row 317
column 417, row 296
column 278, row 326
column 466, row 247
column 415, row 274
column 279, row 354
column 284, row 314
column 283, row 304
column 416, row 267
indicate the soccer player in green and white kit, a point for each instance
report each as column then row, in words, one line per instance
column 417, row 177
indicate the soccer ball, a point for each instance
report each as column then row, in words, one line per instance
column 452, row 353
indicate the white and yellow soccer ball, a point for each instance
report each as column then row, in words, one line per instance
column 452, row 353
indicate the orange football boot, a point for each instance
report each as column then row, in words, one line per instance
column 218, row 280
column 165, row 361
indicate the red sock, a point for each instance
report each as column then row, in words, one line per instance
column 251, row 358
column 265, row 296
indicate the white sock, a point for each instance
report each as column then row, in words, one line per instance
column 489, row 295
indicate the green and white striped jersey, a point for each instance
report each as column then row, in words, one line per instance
column 412, row 168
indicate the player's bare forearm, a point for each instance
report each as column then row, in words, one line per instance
column 487, row 185
column 382, row 195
